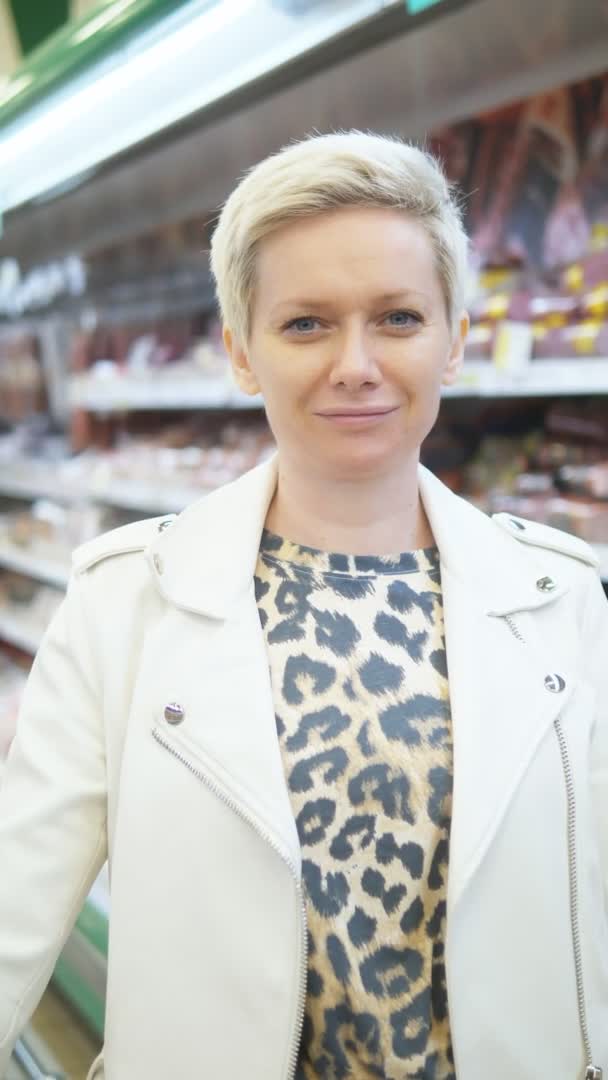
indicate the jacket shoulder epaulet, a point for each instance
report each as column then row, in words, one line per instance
column 545, row 536
column 127, row 538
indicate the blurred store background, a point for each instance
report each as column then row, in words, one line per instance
column 123, row 126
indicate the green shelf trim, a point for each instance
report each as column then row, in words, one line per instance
column 61, row 57
column 35, row 21
column 80, row 995
column 93, row 925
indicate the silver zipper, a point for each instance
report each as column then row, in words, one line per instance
column 592, row 1072
column 266, row 836
column 513, row 628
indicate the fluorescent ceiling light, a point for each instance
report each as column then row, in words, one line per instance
column 109, row 87
column 196, row 56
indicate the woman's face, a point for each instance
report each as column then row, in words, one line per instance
column 349, row 317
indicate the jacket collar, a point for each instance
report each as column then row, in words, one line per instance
column 206, row 561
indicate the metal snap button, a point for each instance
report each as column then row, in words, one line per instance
column 158, row 563
column 174, row 713
column 546, row 584
column 555, row 683
column 162, row 525
column 518, row 524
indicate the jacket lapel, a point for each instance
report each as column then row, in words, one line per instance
column 500, row 705
column 501, row 710
column 217, row 671
column 497, row 666
column 204, row 566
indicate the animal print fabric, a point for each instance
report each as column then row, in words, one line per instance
column 358, row 667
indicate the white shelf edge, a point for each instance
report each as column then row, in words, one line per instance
column 15, row 631
column 33, row 566
column 36, row 486
column 141, row 497
column 551, row 378
column 125, row 394
column 145, row 498
column 480, row 378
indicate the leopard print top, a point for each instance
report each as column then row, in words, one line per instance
column 359, row 674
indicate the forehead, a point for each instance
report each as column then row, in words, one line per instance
column 346, row 251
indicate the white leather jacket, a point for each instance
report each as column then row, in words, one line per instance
column 206, row 969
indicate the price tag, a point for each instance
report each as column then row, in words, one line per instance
column 513, row 348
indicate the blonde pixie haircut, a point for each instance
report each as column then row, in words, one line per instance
column 321, row 173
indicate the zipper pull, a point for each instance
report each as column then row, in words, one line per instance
column 592, row 1073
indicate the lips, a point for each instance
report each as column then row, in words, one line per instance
column 378, row 411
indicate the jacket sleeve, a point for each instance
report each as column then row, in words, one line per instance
column 595, row 641
column 52, row 813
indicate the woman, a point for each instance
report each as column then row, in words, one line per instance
column 328, row 857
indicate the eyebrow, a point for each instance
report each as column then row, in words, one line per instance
column 310, row 303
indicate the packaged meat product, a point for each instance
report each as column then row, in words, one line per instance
column 594, row 303
column 589, row 337
column 581, row 517
column 480, row 341
column 589, row 480
column 587, row 273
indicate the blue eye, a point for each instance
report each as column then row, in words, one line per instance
column 409, row 317
column 293, row 324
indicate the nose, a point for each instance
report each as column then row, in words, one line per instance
column 353, row 363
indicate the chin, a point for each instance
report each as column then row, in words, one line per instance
column 368, row 460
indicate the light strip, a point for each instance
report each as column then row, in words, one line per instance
column 118, row 80
column 190, row 62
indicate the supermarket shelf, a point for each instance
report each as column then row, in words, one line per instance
column 23, row 562
column 130, row 495
column 479, row 378
column 542, row 378
column 145, row 498
column 128, row 394
column 36, row 483
column 19, row 633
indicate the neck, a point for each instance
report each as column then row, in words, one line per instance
column 376, row 515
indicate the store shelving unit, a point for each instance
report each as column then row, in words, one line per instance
column 480, row 378
column 127, row 394
column 32, row 565
column 128, row 495
column 20, row 633
column 582, row 376
column 541, row 378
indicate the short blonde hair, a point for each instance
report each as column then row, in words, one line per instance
column 321, row 173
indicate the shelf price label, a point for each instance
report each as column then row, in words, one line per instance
column 513, row 348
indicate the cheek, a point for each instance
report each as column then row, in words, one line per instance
column 417, row 372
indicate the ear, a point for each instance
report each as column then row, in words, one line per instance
column 239, row 360
column 456, row 357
